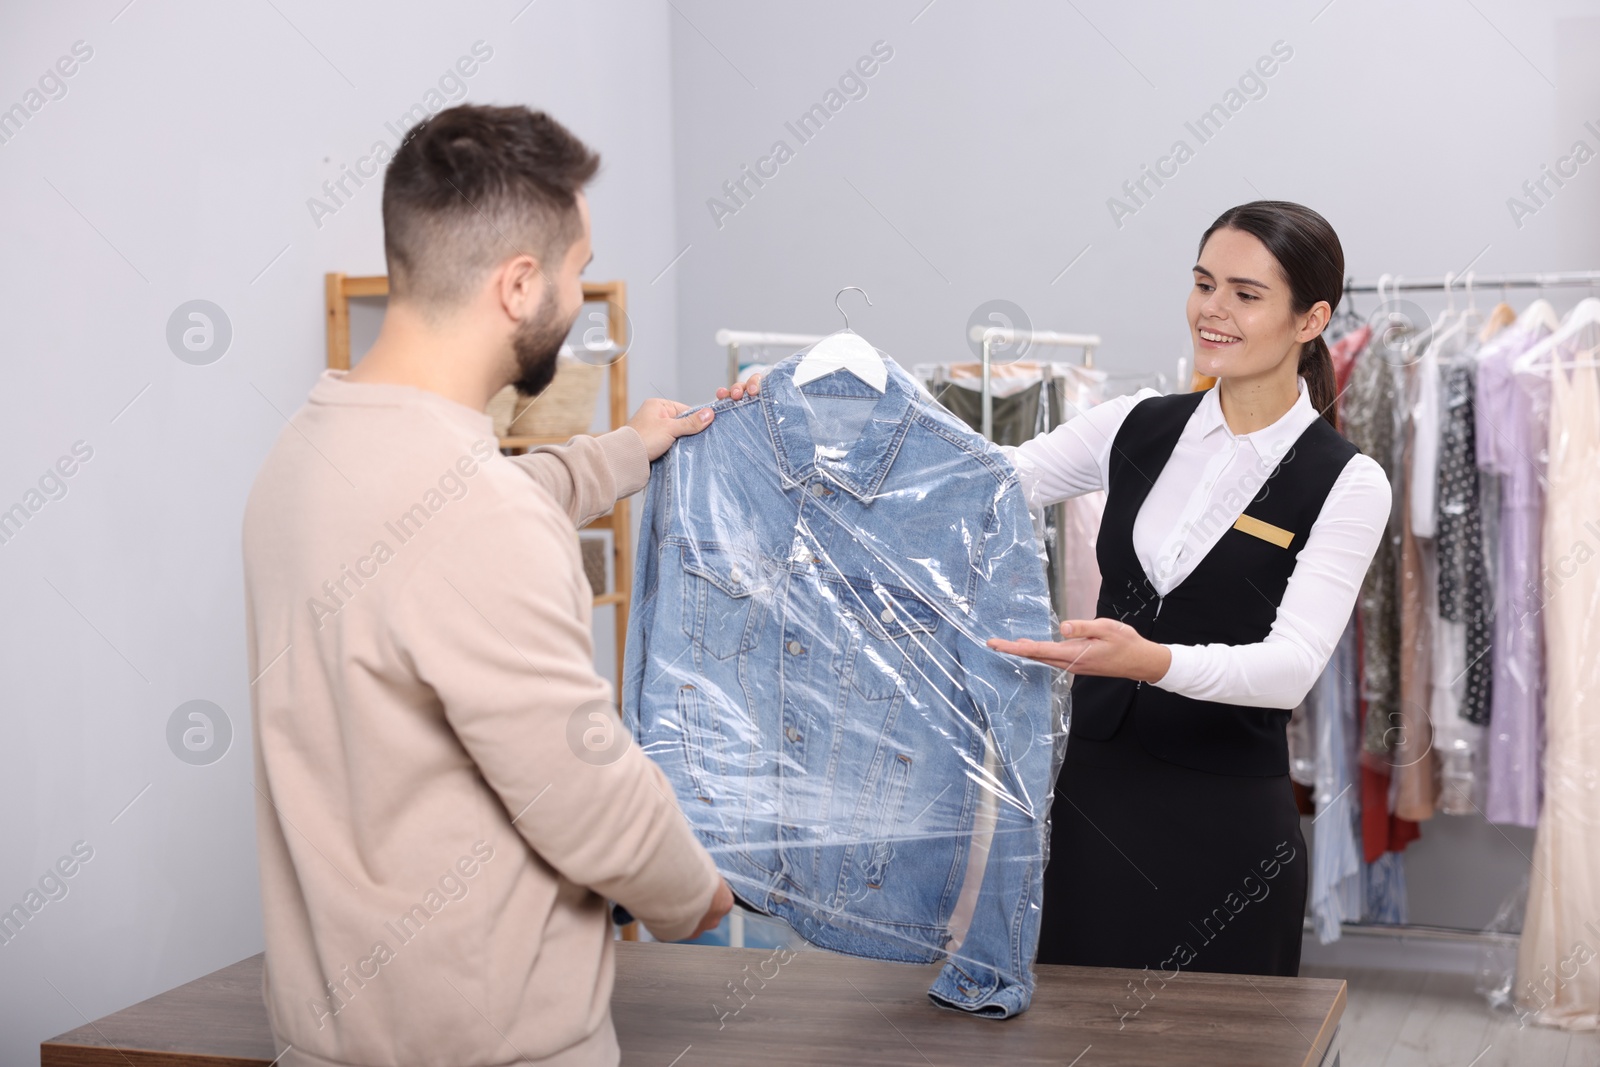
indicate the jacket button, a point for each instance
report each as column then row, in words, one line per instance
column 736, row 575
column 887, row 615
column 791, row 733
column 817, row 489
column 795, row 648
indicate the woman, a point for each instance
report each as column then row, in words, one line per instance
column 1238, row 525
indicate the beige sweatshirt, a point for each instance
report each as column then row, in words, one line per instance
column 438, row 821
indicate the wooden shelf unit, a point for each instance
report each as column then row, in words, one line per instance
column 340, row 289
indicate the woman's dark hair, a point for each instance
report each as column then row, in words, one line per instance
column 1311, row 259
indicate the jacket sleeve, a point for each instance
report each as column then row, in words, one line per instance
column 1013, row 698
column 1011, row 599
column 493, row 621
column 589, row 474
column 646, row 576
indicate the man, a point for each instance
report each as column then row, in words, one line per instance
column 437, row 835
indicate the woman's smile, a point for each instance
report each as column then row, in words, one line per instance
column 1216, row 338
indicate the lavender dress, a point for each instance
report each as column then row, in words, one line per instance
column 1510, row 412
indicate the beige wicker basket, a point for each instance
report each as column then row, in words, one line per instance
column 593, row 551
column 566, row 407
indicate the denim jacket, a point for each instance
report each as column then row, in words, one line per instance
column 805, row 660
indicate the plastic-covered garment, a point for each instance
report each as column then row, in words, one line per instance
column 1497, row 956
column 1079, row 568
column 1031, row 399
column 1413, row 763
column 818, row 573
column 1336, row 882
column 1509, row 409
column 1565, row 886
column 1462, row 666
column 1386, row 890
column 1370, row 410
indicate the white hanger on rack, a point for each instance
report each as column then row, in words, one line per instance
column 1451, row 321
column 1586, row 315
column 1541, row 310
column 1446, row 320
column 845, row 350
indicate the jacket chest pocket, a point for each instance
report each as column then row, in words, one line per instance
column 880, row 631
column 721, row 608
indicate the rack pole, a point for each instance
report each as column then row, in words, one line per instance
column 987, row 423
column 1488, row 281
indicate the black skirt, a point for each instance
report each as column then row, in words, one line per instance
column 1161, row 866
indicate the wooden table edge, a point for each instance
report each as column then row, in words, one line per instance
column 1324, row 1038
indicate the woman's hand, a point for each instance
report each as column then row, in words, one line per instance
column 753, row 386
column 1103, row 647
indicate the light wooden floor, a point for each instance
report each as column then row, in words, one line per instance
column 1416, row 1018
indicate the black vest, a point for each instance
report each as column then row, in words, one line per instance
column 1231, row 597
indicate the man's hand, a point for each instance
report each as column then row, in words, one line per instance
column 659, row 424
column 753, row 386
column 1103, row 647
column 721, row 904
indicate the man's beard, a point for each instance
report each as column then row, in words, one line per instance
column 536, row 344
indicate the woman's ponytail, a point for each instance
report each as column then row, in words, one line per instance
column 1316, row 367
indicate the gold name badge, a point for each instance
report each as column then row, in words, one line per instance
column 1264, row 530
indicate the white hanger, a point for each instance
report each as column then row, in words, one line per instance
column 845, row 350
column 1540, row 311
column 1452, row 322
column 1447, row 316
column 1586, row 315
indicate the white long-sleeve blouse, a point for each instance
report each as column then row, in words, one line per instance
column 1211, row 476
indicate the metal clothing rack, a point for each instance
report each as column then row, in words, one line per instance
column 1465, row 282
column 1469, row 280
column 989, row 336
column 733, row 340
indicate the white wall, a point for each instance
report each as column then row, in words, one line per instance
column 980, row 162
column 178, row 166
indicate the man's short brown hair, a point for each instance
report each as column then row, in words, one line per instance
column 472, row 186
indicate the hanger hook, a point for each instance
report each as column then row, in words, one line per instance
column 843, row 291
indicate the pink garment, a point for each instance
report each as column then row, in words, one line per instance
column 1556, row 979
column 1080, row 568
column 1344, row 352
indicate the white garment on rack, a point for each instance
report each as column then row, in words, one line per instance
column 1206, row 483
column 1425, row 444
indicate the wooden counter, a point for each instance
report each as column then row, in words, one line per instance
column 673, row 1006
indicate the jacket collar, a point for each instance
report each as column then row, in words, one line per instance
column 1270, row 442
column 863, row 466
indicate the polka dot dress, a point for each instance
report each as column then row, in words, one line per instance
column 1464, row 594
